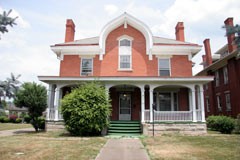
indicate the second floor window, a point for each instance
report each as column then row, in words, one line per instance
column 164, row 67
column 125, row 54
column 217, row 78
column 86, row 66
column 225, row 75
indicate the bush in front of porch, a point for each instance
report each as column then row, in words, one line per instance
column 86, row 110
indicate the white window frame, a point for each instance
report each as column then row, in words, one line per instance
column 219, row 103
column 225, row 75
column 228, row 101
column 169, row 60
column 217, row 80
column 121, row 54
column 91, row 73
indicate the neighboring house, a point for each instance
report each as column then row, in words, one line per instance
column 222, row 94
column 13, row 110
column 140, row 71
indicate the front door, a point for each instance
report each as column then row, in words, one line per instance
column 125, row 106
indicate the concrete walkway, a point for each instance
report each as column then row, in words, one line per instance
column 123, row 149
column 16, row 132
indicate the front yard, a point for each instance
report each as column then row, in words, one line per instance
column 10, row 126
column 50, row 145
column 58, row 144
column 213, row 146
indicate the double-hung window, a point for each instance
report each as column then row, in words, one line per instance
column 228, row 102
column 164, row 67
column 219, row 103
column 86, row 66
column 125, row 54
column 217, row 78
column 225, row 75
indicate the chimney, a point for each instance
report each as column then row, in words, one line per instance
column 208, row 52
column 179, row 31
column 204, row 61
column 70, row 30
column 230, row 38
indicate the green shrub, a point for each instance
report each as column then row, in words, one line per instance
column 2, row 113
column 237, row 124
column 86, row 110
column 18, row 120
column 38, row 123
column 2, row 119
column 6, row 120
column 27, row 118
column 222, row 124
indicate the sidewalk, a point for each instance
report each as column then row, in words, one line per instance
column 16, row 132
column 123, row 149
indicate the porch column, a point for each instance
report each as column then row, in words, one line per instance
column 56, row 102
column 142, row 104
column 194, row 105
column 202, row 103
column 50, row 87
column 151, row 103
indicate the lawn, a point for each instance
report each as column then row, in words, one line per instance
column 181, row 147
column 50, row 145
column 10, row 126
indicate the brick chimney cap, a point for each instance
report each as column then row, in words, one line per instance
column 229, row 21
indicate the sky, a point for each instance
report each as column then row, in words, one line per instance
column 25, row 49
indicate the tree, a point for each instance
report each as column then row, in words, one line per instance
column 10, row 86
column 5, row 20
column 86, row 110
column 34, row 97
column 234, row 30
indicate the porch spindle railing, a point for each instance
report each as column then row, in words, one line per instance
column 51, row 114
column 172, row 115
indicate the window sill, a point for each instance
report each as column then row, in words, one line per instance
column 127, row 70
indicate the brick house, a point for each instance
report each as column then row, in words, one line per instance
column 148, row 78
column 222, row 94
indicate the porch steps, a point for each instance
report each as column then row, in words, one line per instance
column 124, row 128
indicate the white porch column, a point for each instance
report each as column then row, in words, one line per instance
column 50, row 87
column 194, row 105
column 202, row 103
column 142, row 104
column 56, row 102
column 151, row 102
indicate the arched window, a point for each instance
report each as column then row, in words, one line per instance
column 125, row 54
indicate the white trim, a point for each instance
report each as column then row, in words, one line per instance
column 169, row 65
column 126, row 18
column 81, row 66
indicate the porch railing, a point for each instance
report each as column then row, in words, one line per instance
column 172, row 116
column 51, row 114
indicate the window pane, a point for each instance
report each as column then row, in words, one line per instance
column 165, row 101
column 164, row 73
column 86, row 67
column 163, row 63
column 124, row 42
column 125, row 61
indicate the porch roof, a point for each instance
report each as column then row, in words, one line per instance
column 136, row 79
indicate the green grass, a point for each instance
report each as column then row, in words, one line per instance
column 10, row 126
column 212, row 146
column 50, row 145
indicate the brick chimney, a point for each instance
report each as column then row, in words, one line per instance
column 230, row 38
column 70, row 30
column 208, row 52
column 179, row 31
column 204, row 61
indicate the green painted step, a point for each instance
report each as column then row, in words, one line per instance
column 124, row 128
column 124, row 131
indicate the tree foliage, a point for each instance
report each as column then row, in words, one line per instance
column 34, row 97
column 86, row 110
column 5, row 21
column 236, row 31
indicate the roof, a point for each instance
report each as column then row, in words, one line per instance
column 12, row 107
column 95, row 41
column 218, row 64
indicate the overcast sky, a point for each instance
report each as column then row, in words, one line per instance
column 25, row 49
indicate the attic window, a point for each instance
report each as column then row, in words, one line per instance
column 125, row 54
